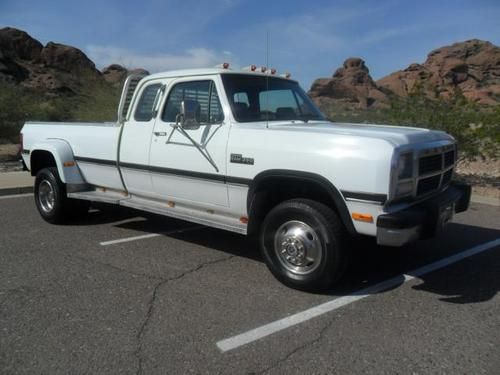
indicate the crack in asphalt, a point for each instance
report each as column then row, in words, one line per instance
column 149, row 313
column 116, row 268
column 290, row 354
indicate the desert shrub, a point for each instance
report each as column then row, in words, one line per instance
column 476, row 128
column 97, row 101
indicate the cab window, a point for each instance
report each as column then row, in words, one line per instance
column 145, row 106
column 204, row 92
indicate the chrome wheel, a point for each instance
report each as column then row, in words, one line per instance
column 298, row 247
column 46, row 196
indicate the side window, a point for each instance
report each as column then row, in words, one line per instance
column 144, row 110
column 204, row 92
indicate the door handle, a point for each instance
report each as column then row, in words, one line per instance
column 160, row 134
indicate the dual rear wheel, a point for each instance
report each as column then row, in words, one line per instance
column 51, row 200
column 302, row 241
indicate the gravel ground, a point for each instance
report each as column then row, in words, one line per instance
column 159, row 305
column 483, row 175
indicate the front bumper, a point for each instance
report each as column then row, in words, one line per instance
column 423, row 220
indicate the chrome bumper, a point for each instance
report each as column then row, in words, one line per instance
column 423, row 220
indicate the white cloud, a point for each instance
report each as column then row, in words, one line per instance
column 190, row 58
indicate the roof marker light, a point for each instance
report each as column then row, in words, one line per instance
column 286, row 75
column 273, row 71
column 263, row 69
column 223, row 66
column 251, row 68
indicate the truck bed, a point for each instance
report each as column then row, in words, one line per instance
column 88, row 140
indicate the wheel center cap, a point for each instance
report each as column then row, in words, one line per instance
column 291, row 250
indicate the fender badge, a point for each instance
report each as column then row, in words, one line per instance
column 239, row 159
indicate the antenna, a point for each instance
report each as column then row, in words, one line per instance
column 267, row 79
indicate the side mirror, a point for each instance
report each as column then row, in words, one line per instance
column 190, row 115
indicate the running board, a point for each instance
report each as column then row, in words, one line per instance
column 100, row 195
column 210, row 218
column 187, row 213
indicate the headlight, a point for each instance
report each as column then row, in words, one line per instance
column 403, row 175
column 405, row 166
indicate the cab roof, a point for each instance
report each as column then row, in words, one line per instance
column 209, row 71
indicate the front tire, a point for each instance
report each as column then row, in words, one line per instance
column 51, row 200
column 302, row 242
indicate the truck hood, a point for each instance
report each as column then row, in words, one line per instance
column 396, row 135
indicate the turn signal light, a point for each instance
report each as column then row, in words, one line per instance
column 366, row 218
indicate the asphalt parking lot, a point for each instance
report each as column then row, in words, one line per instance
column 124, row 292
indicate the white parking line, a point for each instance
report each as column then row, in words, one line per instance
column 292, row 320
column 16, row 196
column 150, row 235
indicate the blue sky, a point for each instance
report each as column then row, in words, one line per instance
column 308, row 38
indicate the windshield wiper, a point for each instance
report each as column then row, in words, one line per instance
column 307, row 118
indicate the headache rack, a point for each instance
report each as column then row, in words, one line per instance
column 128, row 90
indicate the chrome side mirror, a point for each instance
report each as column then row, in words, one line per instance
column 189, row 118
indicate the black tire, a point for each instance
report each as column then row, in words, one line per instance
column 51, row 200
column 299, row 224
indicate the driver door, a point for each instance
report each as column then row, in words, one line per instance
column 189, row 164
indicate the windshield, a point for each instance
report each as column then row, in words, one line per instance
column 258, row 98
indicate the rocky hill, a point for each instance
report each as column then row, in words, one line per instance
column 54, row 82
column 472, row 66
column 351, row 85
column 54, row 69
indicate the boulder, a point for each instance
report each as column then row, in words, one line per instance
column 350, row 85
column 17, row 44
column 114, row 73
column 70, row 59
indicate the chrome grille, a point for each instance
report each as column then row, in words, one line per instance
column 429, row 164
column 447, row 177
column 428, row 184
column 435, row 169
column 449, row 158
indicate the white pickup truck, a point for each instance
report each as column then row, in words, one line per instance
column 248, row 152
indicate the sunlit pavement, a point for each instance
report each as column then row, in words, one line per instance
column 123, row 292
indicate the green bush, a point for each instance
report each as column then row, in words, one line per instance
column 476, row 128
column 97, row 101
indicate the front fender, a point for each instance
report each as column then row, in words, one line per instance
column 64, row 158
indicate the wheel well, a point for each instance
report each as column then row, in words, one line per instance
column 41, row 159
column 273, row 190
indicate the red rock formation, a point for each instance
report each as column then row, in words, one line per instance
column 472, row 66
column 351, row 85
column 56, row 69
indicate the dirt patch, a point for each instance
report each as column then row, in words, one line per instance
column 483, row 175
column 490, row 168
column 9, row 152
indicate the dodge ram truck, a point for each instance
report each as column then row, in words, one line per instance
column 247, row 151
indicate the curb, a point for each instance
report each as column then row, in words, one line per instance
column 485, row 200
column 16, row 190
